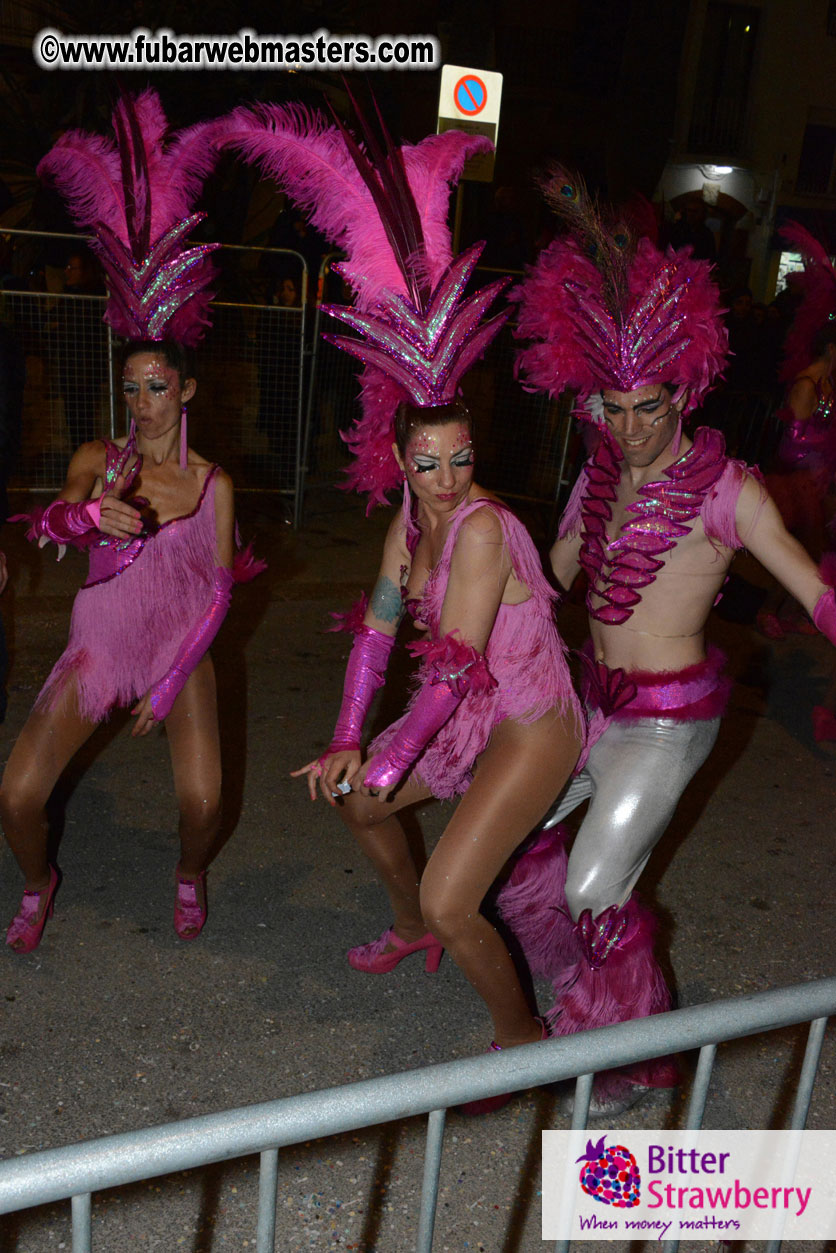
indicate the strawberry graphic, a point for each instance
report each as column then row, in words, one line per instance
column 610, row 1175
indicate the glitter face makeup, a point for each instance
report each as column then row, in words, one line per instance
column 643, row 422
column 426, row 446
column 153, row 393
column 439, row 463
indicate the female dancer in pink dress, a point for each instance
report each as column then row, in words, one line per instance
column 156, row 519
column 494, row 718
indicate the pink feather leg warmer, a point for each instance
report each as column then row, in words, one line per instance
column 614, row 978
column 195, row 645
column 533, row 904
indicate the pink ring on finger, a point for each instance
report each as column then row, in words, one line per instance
column 316, row 769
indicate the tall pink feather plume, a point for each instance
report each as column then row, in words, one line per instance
column 307, row 157
column 434, row 166
column 818, row 286
column 86, row 170
column 164, row 183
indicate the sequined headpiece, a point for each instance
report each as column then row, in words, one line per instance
column 136, row 193
column 386, row 207
column 604, row 311
column 818, row 299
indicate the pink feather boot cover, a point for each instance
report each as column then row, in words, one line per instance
column 533, row 904
column 614, row 978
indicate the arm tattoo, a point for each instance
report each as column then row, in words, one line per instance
column 387, row 602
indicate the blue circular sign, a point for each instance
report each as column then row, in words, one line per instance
column 470, row 95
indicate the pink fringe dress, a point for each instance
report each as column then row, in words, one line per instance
column 525, row 656
column 141, row 599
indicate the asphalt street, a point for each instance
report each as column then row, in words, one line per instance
column 113, row 1024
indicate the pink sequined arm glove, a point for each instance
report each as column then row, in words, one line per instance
column 63, row 522
column 194, row 646
column 457, row 668
column 365, row 673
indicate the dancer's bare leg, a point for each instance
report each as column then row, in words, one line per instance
column 378, row 830
column 45, row 746
column 194, row 743
column 517, row 778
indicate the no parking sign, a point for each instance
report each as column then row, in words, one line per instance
column 470, row 95
column 469, row 100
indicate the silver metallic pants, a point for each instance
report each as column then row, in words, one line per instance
column 634, row 777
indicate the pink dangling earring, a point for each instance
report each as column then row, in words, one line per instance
column 677, row 439
column 406, row 506
column 410, row 529
column 184, row 439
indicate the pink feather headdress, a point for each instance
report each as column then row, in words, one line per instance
column 135, row 193
column 386, row 208
column 818, row 304
column 603, row 311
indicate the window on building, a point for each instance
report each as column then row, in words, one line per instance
column 724, row 79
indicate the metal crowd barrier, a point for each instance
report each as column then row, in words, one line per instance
column 274, row 399
column 76, row 1171
column 248, row 411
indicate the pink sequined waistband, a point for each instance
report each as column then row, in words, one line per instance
column 699, row 692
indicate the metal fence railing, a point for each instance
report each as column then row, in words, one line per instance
column 273, row 398
column 68, row 397
column 332, row 403
column 749, row 421
column 248, row 411
column 77, row 1171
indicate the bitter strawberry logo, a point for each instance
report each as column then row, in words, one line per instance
column 610, row 1175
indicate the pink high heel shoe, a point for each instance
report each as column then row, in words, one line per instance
column 189, row 910
column 489, row 1104
column 27, row 926
column 375, row 960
